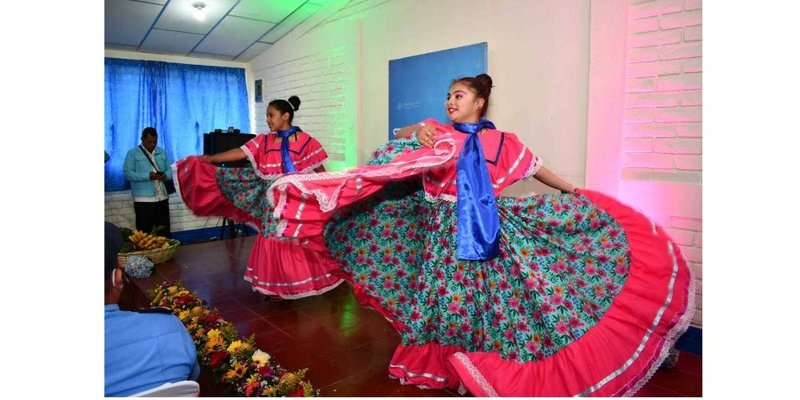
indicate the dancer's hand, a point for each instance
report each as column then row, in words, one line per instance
column 425, row 135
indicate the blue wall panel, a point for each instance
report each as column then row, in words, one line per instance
column 418, row 84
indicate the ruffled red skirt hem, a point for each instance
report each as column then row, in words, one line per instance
column 285, row 269
column 616, row 357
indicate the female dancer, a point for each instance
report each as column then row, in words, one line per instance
column 548, row 295
column 278, row 266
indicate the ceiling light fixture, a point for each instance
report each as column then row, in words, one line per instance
column 199, row 14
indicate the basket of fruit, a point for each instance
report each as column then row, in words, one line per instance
column 157, row 248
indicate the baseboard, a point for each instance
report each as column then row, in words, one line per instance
column 212, row 233
column 691, row 341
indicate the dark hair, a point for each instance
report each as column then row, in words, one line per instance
column 482, row 85
column 284, row 106
column 149, row 131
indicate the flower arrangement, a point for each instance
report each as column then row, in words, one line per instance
column 234, row 361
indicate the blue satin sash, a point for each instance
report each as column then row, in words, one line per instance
column 478, row 226
column 287, row 164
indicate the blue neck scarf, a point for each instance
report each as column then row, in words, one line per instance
column 478, row 223
column 287, row 164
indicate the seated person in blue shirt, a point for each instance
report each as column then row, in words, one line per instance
column 143, row 350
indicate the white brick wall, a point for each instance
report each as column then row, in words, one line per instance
column 662, row 122
column 663, row 99
column 687, row 234
column 119, row 211
column 318, row 80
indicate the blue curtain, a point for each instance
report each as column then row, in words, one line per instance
column 181, row 101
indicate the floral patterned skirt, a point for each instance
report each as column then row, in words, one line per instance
column 586, row 296
column 277, row 266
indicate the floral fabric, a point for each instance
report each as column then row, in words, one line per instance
column 247, row 191
column 562, row 261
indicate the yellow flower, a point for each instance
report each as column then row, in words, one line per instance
column 172, row 289
column 260, row 358
column 269, row 391
column 238, row 347
column 236, row 372
column 199, row 333
column 213, row 334
column 216, row 343
column 183, row 292
column 183, row 315
column 289, row 378
column 198, row 312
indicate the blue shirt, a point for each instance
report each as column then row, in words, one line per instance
column 143, row 351
column 137, row 170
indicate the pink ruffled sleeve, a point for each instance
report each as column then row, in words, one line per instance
column 518, row 160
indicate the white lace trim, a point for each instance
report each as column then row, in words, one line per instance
column 286, row 284
column 486, row 387
column 298, row 295
column 672, row 336
column 443, row 151
column 433, row 198
column 281, row 226
column 536, row 164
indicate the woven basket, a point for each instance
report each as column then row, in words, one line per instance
column 157, row 256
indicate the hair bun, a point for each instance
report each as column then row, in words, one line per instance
column 485, row 78
column 295, row 102
column 486, row 81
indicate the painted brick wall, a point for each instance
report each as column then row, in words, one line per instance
column 319, row 80
column 662, row 121
column 119, row 211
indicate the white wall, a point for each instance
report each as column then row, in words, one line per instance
column 119, row 211
column 322, row 74
column 645, row 123
column 538, row 58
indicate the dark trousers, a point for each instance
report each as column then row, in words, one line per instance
column 150, row 215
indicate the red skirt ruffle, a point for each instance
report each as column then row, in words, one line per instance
column 614, row 358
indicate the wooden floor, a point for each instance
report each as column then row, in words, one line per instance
column 347, row 348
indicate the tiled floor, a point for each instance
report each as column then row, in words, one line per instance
column 346, row 347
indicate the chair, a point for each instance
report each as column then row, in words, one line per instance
column 185, row 388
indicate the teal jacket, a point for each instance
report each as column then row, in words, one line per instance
column 137, row 170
